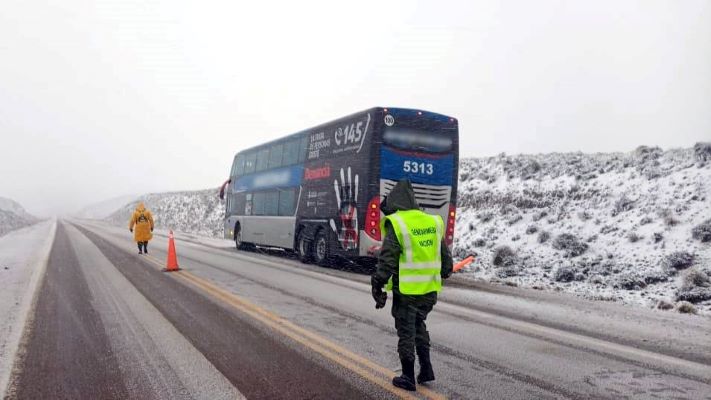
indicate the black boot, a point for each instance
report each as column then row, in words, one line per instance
column 407, row 379
column 145, row 247
column 140, row 248
column 426, row 373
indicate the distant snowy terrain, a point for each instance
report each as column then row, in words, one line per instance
column 105, row 208
column 13, row 216
column 627, row 227
column 197, row 212
column 632, row 227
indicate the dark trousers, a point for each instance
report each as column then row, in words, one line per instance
column 410, row 313
column 143, row 246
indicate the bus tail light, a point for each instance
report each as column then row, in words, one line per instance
column 372, row 219
column 451, row 217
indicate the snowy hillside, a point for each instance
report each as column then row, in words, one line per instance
column 632, row 227
column 198, row 212
column 13, row 216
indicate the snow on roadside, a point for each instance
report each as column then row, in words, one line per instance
column 13, row 216
column 612, row 227
column 23, row 259
column 198, row 212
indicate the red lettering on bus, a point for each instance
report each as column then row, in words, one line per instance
column 311, row 174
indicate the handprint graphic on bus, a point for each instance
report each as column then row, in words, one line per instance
column 347, row 200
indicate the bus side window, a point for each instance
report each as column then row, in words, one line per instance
column 239, row 166
column 250, row 162
column 262, row 159
column 291, row 153
column 302, row 148
column 286, row 202
column 275, row 156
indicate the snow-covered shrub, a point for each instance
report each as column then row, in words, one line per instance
column 696, row 287
column 479, row 242
column 565, row 273
column 668, row 217
column 686, row 308
column 621, row 205
column 646, row 153
column 531, row 229
column 507, row 209
column 702, row 231
column 485, row 216
column 513, row 220
column 570, row 244
column 633, row 237
column 657, row 237
column 508, row 271
column 608, row 229
column 652, row 173
column 646, row 220
column 665, row 305
column 584, row 215
column 540, row 215
column 503, row 256
column 543, row 237
column 695, row 278
column 653, row 276
column 702, row 151
column 629, row 281
column 678, row 260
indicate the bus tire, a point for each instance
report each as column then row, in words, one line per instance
column 321, row 252
column 304, row 248
column 239, row 244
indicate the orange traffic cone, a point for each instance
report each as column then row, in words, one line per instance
column 171, row 263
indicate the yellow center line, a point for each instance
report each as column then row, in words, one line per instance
column 360, row 365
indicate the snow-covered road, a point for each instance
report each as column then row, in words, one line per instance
column 23, row 259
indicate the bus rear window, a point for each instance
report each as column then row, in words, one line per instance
column 412, row 139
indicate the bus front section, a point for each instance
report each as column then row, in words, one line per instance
column 422, row 147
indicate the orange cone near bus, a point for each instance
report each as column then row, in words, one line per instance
column 171, row 263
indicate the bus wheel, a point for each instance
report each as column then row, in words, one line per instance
column 320, row 250
column 303, row 248
column 239, row 244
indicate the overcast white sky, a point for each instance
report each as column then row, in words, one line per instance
column 106, row 98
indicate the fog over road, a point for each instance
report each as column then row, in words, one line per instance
column 109, row 324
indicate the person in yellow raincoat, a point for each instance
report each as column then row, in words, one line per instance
column 142, row 220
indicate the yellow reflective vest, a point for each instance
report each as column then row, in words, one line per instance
column 420, row 236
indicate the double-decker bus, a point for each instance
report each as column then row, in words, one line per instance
column 318, row 191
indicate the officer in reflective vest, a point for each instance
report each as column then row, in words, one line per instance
column 413, row 262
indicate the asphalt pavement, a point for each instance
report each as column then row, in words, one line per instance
column 108, row 323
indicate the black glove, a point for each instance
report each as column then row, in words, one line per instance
column 130, row 230
column 151, row 229
column 379, row 296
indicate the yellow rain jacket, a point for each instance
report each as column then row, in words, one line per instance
column 142, row 220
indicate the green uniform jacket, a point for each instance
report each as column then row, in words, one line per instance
column 402, row 198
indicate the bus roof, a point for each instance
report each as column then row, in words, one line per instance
column 394, row 111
